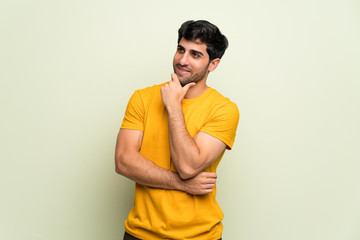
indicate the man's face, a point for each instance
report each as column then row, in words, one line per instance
column 191, row 61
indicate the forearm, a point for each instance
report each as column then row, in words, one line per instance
column 190, row 154
column 143, row 171
column 184, row 151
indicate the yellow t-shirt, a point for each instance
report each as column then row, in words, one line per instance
column 171, row 214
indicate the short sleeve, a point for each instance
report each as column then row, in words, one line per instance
column 135, row 113
column 223, row 124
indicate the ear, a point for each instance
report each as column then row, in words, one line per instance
column 213, row 64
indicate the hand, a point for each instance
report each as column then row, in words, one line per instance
column 173, row 93
column 201, row 184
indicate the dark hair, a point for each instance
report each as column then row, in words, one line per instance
column 206, row 32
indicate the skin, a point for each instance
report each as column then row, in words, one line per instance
column 191, row 156
column 134, row 166
column 191, row 64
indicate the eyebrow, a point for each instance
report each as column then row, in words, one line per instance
column 197, row 52
column 192, row 50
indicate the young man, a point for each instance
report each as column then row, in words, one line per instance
column 171, row 141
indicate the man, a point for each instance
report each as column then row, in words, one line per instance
column 171, row 141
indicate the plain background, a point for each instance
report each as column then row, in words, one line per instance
column 68, row 69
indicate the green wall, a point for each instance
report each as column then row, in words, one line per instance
column 68, row 68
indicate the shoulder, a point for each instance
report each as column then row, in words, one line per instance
column 146, row 94
column 223, row 118
column 222, row 103
column 150, row 90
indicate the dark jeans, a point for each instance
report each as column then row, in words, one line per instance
column 129, row 237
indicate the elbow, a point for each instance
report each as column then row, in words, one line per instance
column 187, row 172
column 120, row 167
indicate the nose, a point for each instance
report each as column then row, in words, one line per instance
column 184, row 59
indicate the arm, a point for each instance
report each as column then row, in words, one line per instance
column 132, row 165
column 190, row 155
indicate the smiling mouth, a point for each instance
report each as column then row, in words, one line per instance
column 182, row 70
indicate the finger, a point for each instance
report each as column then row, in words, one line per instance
column 165, row 86
column 210, row 174
column 175, row 78
column 189, row 85
column 209, row 190
column 210, row 186
column 205, row 191
column 211, row 181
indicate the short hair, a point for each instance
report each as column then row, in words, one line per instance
column 206, row 32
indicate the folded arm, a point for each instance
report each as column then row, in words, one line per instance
column 131, row 164
column 190, row 155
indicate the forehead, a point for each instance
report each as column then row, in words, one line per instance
column 196, row 45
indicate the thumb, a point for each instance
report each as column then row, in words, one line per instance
column 189, row 85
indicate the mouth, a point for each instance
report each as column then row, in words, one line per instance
column 182, row 70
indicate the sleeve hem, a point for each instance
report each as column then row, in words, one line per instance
column 225, row 140
column 132, row 128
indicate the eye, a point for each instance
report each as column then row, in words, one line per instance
column 180, row 50
column 195, row 55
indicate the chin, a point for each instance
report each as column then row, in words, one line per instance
column 185, row 81
column 182, row 83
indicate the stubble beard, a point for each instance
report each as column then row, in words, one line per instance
column 192, row 78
